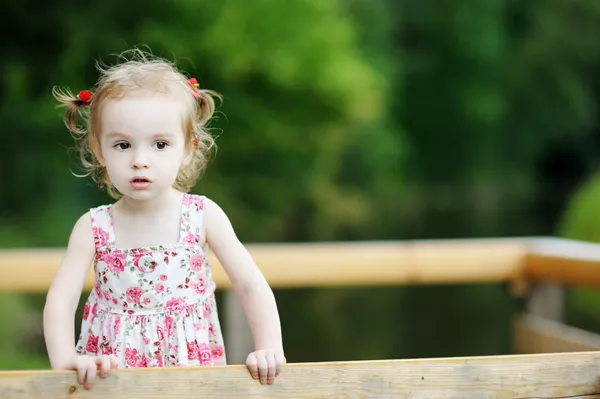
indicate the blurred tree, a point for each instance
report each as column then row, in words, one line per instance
column 487, row 83
column 307, row 151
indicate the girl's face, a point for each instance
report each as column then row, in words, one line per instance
column 142, row 144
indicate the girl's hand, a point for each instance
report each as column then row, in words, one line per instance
column 265, row 365
column 87, row 366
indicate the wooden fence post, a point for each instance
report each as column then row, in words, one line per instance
column 238, row 336
column 547, row 301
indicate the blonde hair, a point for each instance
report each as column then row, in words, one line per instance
column 139, row 72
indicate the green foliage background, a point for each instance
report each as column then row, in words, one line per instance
column 342, row 120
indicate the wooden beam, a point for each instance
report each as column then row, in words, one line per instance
column 565, row 262
column 532, row 334
column 322, row 264
column 572, row 375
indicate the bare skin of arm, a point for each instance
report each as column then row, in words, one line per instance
column 61, row 304
column 250, row 285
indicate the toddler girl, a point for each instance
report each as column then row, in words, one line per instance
column 153, row 304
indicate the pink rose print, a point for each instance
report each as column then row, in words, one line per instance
column 92, row 344
column 100, row 237
column 143, row 362
column 175, row 304
column 116, row 261
column 197, row 202
column 159, row 358
column 146, row 301
column 196, row 262
column 217, row 350
column 86, row 311
column 137, row 256
column 170, row 325
column 117, row 326
column 134, row 294
column 205, row 354
column 192, row 349
column 159, row 288
column 173, row 280
column 199, row 285
column 192, row 239
column 106, row 349
column 132, row 359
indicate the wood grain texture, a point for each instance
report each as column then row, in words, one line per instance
column 566, row 262
column 532, row 334
column 322, row 264
column 573, row 375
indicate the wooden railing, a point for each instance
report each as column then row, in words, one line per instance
column 535, row 268
column 572, row 375
column 323, row 264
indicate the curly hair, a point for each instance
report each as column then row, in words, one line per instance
column 137, row 73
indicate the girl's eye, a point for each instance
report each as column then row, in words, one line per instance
column 122, row 146
column 161, row 145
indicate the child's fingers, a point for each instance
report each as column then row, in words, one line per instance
column 263, row 368
column 81, row 371
column 271, row 367
column 90, row 375
column 252, row 364
column 104, row 363
column 279, row 362
column 113, row 361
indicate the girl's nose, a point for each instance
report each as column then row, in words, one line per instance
column 140, row 161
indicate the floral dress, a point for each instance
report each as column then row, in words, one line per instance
column 153, row 306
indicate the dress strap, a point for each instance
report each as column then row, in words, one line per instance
column 102, row 227
column 192, row 220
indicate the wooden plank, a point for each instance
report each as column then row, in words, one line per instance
column 572, row 375
column 323, row 264
column 533, row 334
column 566, row 262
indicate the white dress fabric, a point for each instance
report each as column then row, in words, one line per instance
column 153, row 306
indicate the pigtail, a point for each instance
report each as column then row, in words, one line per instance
column 205, row 102
column 201, row 140
column 206, row 105
column 74, row 107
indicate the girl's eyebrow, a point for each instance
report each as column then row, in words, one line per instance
column 119, row 135
column 115, row 135
column 164, row 135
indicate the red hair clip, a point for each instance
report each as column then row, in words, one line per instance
column 194, row 85
column 85, row 98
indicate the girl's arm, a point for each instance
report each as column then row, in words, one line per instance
column 250, row 285
column 64, row 293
